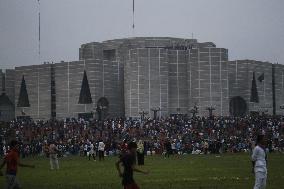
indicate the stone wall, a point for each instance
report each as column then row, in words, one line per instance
column 178, row 83
column 146, row 82
column 103, row 81
column 240, row 79
column 37, row 79
column 208, row 80
column 144, row 73
column 10, row 84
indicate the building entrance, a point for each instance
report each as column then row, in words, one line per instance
column 238, row 106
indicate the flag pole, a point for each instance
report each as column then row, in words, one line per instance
column 38, row 30
column 38, row 58
column 133, row 25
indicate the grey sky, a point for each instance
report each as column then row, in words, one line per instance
column 250, row 29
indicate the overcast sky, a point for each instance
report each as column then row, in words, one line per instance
column 250, row 29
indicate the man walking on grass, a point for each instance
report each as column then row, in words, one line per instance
column 128, row 162
column 92, row 151
column 12, row 162
column 53, row 159
column 259, row 160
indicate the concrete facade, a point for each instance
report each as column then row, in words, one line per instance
column 37, row 79
column 7, row 111
column 9, row 75
column 279, row 88
column 144, row 73
column 146, row 82
column 178, row 83
column 68, row 80
column 174, row 75
column 10, row 84
column 208, row 80
column 240, row 79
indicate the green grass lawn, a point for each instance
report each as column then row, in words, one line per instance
column 188, row 171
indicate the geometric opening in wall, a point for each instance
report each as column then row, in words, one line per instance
column 102, row 108
column 23, row 95
column 238, row 106
column 109, row 54
column 85, row 116
column 85, row 94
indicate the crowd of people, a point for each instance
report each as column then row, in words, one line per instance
column 172, row 135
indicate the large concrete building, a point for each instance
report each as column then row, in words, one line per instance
column 126, row 77
column 170, row 74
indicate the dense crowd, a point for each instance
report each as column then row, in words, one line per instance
column 176, row 134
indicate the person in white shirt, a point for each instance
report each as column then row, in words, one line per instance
column 92, row 151
column 101, row 149
column 174, row 147
column 85, row 149
column 259, row 160
column 140, row 152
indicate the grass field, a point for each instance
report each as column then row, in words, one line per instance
column 188, row 171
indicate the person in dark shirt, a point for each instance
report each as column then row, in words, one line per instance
column 168, row 148
column 127, row 160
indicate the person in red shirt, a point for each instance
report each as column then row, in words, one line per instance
column 12, row 162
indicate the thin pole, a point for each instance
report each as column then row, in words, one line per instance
column 38, row 58
column 133, row 25
column 38, row 30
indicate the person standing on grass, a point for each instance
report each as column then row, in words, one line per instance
column 53, row 159
column 12, row 161
column 259, row 161
column 85, row 149
column 92, row 152
column 140, row 152
column 128, row 162
column 101, row 149
column 168, row 147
